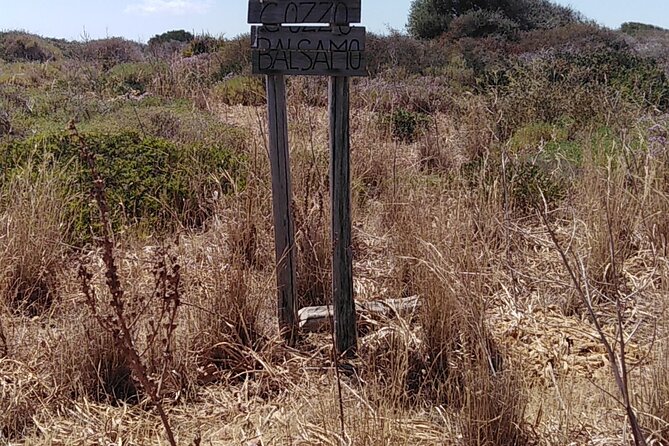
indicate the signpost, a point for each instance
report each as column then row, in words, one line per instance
column 285, row 42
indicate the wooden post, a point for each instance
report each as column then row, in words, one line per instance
column 281, row 202
column 342, row 262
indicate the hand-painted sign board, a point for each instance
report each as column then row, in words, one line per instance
column 309, row 50
column 274, row 12
column 310, row 63
column 308, row 38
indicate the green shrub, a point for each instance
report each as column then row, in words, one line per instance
column 551, row 139
column 17, row 46
column 487, row 57
column 240, row 90
column 540, row 14
column 431, row 18
column 112, row 51
column 531, row 182
column 480, row 23
column 605, row 145
column 233, row 57
column 5, row 123
column 394, row 52
column 552, row 88
column 426, row 21
column 573, row 37
column 150, row 182
column 130, row 78
column 177, row 121
column 535, row 134
column 171, row 36
column 640, row 79
column 405, row 124
column 636, row 28
column 203, row 44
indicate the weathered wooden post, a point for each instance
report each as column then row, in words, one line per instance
column 335, row 50
column 340, row 192
column 284, row 232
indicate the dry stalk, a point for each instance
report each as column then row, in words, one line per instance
column 335, row 358
column 119, row 321
column 4, row 345
column 617, row 360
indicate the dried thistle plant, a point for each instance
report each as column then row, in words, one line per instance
column 119, row 319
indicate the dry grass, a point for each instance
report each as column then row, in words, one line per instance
column 498, row 354
column 33, row 235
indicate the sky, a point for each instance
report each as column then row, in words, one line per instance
column 142, row 19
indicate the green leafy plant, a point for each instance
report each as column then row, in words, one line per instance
column 240, row 90
column 111, row 51
column 531, row 184
column 19, row 46
column 130, row 78
column 169, row 36
column 203, row 44
column 152, row 182
column 405, row 124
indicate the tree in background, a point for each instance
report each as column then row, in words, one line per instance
column 172, row 36
column 476, row 18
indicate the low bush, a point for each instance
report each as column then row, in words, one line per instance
column 431, row 18
column 240, row 90
column 5, row 123
column 233, row 57
column 425, row 95
column 18, row 46
column 541, row 14
column 636, row 28
column 547, row 140
column 573, row 37
column 396, row 52
column 111, row 51
column 485, row 56
column 639, row 79
column 480, row 23
column 551, row 90
column 203, row 44
column 532, row 184
column 405, row 124
column 130, row 78
column 150, row 181
column 171, row 36
column 179, row 121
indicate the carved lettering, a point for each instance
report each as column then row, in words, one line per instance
column 340, row 12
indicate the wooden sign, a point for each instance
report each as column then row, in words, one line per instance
column 309, row 50
column 274, row 12
column 308, row 38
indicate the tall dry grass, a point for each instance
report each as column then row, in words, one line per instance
column 34, row 223
column 657, row 403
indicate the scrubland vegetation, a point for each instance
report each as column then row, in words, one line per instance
column 512, row 171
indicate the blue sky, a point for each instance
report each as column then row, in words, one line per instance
column 142, row 19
